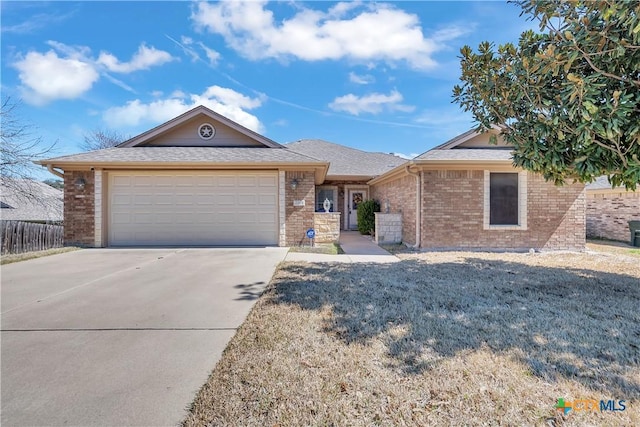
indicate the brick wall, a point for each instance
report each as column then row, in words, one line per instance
column 298, row 219
column 401, row 194
column 608, row 214
column 453, row 214
column 79, row 224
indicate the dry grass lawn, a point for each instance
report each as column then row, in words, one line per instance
column 11, row 258
column 448, row 338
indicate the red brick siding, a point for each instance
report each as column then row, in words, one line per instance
column 79, row 225
column 608, row 214
column 453, row 215
column 401, row 194
column 299, row 219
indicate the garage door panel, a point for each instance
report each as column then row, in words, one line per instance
column 267, row 181
column 142, row 181
column 186, row 208
column 227, row 181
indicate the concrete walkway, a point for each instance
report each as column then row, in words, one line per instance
column 356, row 247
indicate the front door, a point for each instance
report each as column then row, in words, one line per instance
column 355, row 198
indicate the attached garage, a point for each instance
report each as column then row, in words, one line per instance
column 193, row 208
column 199, row 179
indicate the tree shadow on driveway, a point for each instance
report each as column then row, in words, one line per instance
column 578, row 323
column 249, row 291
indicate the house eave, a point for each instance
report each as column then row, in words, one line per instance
column 320, row 169
column 348, row 177
column 393, row 173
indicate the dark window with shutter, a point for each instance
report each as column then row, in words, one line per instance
column 503, row 198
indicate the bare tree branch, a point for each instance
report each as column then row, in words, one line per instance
column 19, row 148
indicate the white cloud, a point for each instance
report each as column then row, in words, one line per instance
column 119, row 83
column 143, row 59
column 212, row 55
column 355, row 31
column 46, row 77
column 373, row 103
column 36, row 22
column 363, row 79
column 187, row 45
column 223, row 101
column 67, row 72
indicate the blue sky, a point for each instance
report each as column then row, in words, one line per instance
column 374, row 76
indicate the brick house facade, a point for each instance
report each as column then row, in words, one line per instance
column 608, row 212
column 172, row 186
column 453, row 186
column 79, row 209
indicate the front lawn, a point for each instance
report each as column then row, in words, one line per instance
column 447, row 338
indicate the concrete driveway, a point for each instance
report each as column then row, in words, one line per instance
column 120, row 336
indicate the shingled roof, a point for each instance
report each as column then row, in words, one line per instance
column 30, row 200
column 346, row 161
column 196, row 155
column 467, row 154
column 602, row 183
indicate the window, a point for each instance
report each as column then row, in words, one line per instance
column 323, row 193
column 505, row 200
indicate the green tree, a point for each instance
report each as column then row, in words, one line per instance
column 567, row 98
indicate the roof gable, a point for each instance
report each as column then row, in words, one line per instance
column 183, row 131
column 473, row 139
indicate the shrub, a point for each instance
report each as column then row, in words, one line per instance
column 367, row 217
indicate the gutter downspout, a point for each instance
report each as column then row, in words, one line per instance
column 418, row 176
column 55, row 172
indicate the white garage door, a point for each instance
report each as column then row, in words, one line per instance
column 193, row 208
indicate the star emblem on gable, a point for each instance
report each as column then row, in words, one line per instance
column 206, row 131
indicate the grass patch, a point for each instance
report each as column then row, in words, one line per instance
column 319, row 248
column 398, row 248
column 11, row 258
column 613, row 247
column 447, row 338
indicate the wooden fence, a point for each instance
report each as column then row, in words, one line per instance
column 18, row 236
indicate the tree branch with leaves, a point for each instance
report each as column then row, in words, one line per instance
column 567, row 98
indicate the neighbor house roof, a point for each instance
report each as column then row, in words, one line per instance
column 346, row 162
column 602, row 185
column 30, row 200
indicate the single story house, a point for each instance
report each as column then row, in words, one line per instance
column 609, row 210
column 466, row 194
column 202, row 179
column 29, row 200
